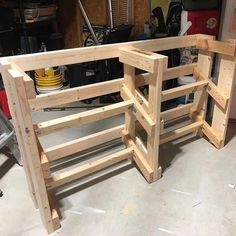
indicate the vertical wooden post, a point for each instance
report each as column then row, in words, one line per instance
column 154, row 101
column 5, row 66
column 226, row 78
column 129, row 81
column 17, row 88
column 205, row 60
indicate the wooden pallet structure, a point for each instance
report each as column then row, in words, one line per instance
column 138, row 109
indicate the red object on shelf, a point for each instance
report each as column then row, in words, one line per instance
column 202, row 22
column 4, row 104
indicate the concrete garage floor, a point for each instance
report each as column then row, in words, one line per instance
column 192, row 198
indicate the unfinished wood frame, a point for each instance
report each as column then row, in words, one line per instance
column 136, row 107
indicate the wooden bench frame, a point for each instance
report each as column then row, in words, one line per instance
column 147, row 111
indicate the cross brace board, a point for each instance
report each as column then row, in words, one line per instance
column 138, row 109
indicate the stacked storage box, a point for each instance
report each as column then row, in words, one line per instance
column 198, row 17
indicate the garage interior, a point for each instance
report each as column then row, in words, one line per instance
column 117, row 117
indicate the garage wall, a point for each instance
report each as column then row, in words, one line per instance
column 71, row 19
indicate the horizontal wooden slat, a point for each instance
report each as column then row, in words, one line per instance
column 81, row 144
column 217, row 47
column 82, row 118
column 220, row 98
column 140, row 59
column 84, row 170
column 211, row 134
column 75, row 94
column 97, row 89
column 170, row 73
column 142, row 79
column 139, row 112
column 176, row 112
column 80, row 55
column 179, row 71
column 183, row 90
column 172, row 135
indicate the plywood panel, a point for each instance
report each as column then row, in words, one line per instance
column 71, row 19
column 96, row 11
column 70, row 22
column 142, row 14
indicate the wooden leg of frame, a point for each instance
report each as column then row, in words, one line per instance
column 154, row 99
column 225, row 83
column 12, row 106
column 205, row 60
column 129, row 80
column 31, row 147
column 130, row 127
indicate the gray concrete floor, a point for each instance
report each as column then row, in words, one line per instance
column 194, row 196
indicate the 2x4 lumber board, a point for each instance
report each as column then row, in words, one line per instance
column 210, row 133
column 141, row 59
column 94, row 90
column 225, row 83
column 29, row 83
column 200, row 101
column 102, row 52
column 11, row 96
column 141, row 99
column 30, row 141
column 172, row 135
column 224, row 48
column 170, row 73
column 140, row 145
column 55, row 219
column 45, row 165
column 212, row 89
column 89, row 168
column 162, row 126
column 142, row 164
column 84, row 143
column 54, row 207
column 154, row 110
column 138, row 111
column 176, row 112
column 142, row 79
column 179, row 71
column 75, row 94
column 129, row 81
column 82, row 118
column 138, row 157
column 183, row 90
column 129, row 77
